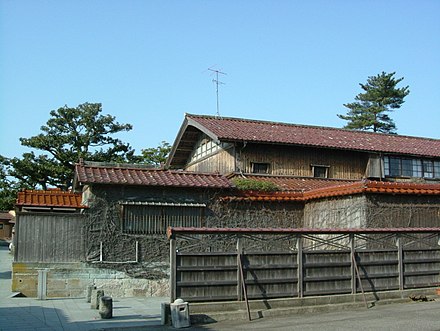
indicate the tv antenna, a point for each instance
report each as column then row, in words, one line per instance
column 217, row 83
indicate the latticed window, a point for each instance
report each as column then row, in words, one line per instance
column 156, row 217
column 406, row 167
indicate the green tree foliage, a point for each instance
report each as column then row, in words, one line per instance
column 156, row 156
column 380, row 96
column 69, row 135
column 8, row 186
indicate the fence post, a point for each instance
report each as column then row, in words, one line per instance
column 239, row 280
column 299, row 262
column 353, row 267
column 400, row 261
column 173, row 270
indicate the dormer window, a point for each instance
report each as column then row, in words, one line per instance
column 320, row 171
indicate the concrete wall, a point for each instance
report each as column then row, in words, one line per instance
column 72, row 279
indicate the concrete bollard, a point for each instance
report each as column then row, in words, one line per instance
column 106, row 307
column 96, row 296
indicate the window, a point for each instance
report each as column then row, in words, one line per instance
column 320, row 171
column 406, row 167
column 407, row 170
column 156, row 217
column 260, row 168
column 437, row 169
column 428, row 169
column 417, row 168
column 395, row 168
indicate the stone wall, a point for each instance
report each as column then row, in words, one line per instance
column 340, row 212
column 72, row 279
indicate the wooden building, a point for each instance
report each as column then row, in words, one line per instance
column 341, row 178
column 319, row 178
column 240, row 146
column 6, row 225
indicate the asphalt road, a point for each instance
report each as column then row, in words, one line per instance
column 398, row 317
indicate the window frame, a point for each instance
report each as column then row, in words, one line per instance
column 255, row 165
column 320, row 167
column 158, row 216
column 420, row 168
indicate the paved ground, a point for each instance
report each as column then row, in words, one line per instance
column 68, row 314
column 144, row 314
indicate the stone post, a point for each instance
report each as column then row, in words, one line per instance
column 95, row 298
column 90, row 288
column 106, row 307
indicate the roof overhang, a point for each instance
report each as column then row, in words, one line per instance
column 184, row 143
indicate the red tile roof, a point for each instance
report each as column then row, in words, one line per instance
column 297, row 184
column 50, row 198
column 236, row 129
column 332, row 190
column 126, row 175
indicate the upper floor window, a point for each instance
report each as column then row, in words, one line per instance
column 260, row 168
column 408, row 167
column 320, row 171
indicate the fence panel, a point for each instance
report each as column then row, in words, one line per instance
column 385, row 259
column 49, row 237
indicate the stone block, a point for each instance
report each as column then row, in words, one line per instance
column 56, row 284
column 95, row 298
column 106, row 307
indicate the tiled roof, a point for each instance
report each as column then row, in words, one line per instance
column 333, row 189
column 126, row 175
column 376, row 187
column 4, row 215
column 236, row 129
column 297, row 184
column 50, row 198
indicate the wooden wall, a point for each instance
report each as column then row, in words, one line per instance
column 297, row 161
column 220, row 162
column 44, row 237
column 6, row 230
column 214, row 276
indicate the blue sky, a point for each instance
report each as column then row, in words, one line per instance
column 146, row 61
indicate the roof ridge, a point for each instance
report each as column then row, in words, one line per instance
column 46, row 191
column 174, row 171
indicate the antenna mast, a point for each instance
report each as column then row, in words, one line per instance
column 217, row 83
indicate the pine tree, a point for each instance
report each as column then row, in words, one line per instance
column 369, row 111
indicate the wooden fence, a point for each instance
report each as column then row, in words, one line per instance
column 313, row 262
column 49, row 237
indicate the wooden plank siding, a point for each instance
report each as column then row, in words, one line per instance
column 297, row 161
column 222, row 162
column 43, row 237
column 284, row 160
column 213, row 276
